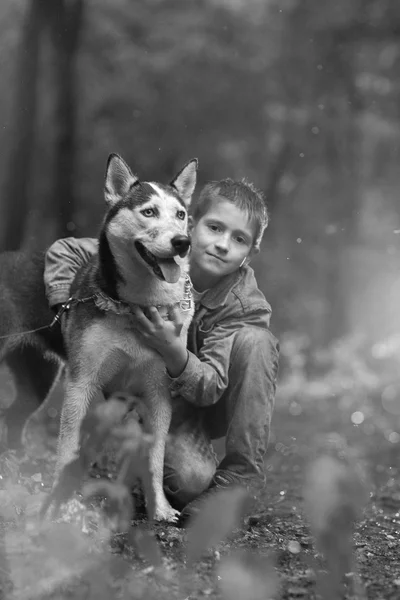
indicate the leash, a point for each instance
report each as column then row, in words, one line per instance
column 3, row 337
column 185, row 304
column 57, row 319
column 67, row 305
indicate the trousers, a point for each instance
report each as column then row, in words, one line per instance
column 242, row 415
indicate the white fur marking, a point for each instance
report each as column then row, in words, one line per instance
column 158, row 190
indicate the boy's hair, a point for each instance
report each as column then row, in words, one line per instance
column 241, row 193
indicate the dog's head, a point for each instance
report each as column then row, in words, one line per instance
column 147, row 222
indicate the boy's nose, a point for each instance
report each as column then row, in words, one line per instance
column 181, row 244
column 223, row 244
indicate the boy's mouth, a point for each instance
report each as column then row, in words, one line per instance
column 165, row 269
column 217, row 257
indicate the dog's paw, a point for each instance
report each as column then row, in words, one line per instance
column 166, row 513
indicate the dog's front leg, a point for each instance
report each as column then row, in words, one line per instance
column 78, row 396
column 159, row 412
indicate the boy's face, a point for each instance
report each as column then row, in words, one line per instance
column 221, row 240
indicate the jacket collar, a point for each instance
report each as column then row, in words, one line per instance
column 218, row 295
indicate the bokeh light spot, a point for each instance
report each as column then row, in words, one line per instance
column 294, row 547
column 357, row 417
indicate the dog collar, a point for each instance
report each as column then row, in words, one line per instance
column 106, row 303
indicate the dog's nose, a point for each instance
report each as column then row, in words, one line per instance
column 181, row 244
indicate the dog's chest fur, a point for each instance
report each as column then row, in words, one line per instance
column 110, row 345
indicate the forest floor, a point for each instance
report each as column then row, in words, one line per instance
column 64, row 563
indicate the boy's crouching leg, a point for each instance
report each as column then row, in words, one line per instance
column 190, row 463
column 245, row 409
column 243, row 414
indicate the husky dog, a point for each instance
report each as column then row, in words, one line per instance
column 142, row 260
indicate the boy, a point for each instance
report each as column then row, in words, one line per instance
column 223, row 383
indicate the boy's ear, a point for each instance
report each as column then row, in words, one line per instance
column 185, row 181
column 253, row 252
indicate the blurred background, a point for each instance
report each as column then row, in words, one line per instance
column 301, row 97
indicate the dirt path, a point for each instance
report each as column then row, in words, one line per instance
column 277, row 529
column 280, row 529
column 377, row 538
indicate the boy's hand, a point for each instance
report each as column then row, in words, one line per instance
column 158, row 333
column 164, row 337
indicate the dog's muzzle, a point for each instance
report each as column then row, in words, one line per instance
column 181, row 244
column 166, row 269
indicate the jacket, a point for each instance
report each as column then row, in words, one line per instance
column 235, row 302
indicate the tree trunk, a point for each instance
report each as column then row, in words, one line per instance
column 342, row 144
column 344, row 215
column 16, row 196
column 66, row 18
column 276, row 172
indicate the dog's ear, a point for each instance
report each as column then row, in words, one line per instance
column 119, row 179
column 185, row 181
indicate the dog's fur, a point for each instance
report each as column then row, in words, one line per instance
column 142, row 260
column 35, row 359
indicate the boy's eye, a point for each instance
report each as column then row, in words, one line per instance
column 181, row 214
column 214, row 227
column 241, row 240
column 148, row 212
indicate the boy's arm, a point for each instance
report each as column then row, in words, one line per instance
column 206, row 376
column 63, row 260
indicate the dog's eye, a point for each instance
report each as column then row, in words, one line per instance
column 148, row 212
column 181, row 214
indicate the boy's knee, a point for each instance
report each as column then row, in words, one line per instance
column 256, row 341
column 184, row 482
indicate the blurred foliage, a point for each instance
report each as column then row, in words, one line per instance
column 360, row 379
column 299, row 96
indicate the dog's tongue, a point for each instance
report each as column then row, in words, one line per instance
column 170, row 270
